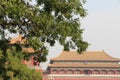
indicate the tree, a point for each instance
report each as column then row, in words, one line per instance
column 47, row 21
column 11, row 67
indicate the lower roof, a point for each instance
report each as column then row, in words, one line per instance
column 67, row 65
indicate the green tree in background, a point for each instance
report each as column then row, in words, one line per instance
column 47, row 21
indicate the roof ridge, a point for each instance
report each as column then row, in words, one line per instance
column 110, row 56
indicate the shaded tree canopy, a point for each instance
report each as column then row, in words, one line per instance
column 46, row 21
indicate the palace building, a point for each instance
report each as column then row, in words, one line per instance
column 89, row 65
column 88, row 62
column 29, row 50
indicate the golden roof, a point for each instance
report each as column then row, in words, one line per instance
column 18, row 40
column 87, row 55
column 28, row 50
column 93, row 65
column 21, row 40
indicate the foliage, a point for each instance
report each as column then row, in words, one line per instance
column 11, row 67
column 47, row 21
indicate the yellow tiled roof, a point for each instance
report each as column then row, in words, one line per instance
column 87, row 55
column 28, row 50
column 84, row 65
column 18, row 39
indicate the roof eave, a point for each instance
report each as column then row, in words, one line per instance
column 87, row 60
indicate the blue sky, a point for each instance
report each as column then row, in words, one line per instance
column 102, row 28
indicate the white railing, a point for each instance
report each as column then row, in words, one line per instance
column 81, row 76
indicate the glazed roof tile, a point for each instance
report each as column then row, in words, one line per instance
column 87, row 55
column 85, row 65
column 19, row 39
column 28, row 50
